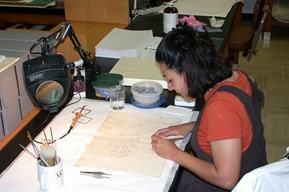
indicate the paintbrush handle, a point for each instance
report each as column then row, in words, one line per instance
column 26, row 150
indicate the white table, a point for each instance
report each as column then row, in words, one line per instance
column 21, row 175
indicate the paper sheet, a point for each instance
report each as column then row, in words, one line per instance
column 123, row 43
column 218, row 8
column 138, row 69
column 122, row 143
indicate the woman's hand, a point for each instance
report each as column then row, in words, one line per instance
column 164, row 147
column 167, row 148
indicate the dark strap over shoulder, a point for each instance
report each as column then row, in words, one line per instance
column 253, row 107
column 253, row 157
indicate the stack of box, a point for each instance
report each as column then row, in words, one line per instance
column 15, row 104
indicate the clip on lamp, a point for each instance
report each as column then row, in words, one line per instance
column 47, row 78
column 48, row 81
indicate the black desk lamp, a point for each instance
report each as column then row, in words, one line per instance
column 47, row 77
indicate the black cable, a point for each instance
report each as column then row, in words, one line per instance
column 47, row 117
column 45, row 120
column 76, row 100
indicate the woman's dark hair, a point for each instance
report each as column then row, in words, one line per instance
column 193, row 54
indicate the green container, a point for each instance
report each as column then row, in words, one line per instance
column 104, row 82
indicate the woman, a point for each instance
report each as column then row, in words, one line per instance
column 227, row 138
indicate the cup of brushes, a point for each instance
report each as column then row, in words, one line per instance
column 50, row 172
column 49, row 164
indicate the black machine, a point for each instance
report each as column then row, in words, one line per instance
column 48, row 77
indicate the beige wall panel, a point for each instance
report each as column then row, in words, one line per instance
column 108, row 11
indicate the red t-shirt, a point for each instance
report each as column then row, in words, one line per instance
column 225, row 117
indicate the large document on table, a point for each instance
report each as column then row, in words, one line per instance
column 122, row 143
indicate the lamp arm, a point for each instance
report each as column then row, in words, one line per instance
column 49, row 43
column 87, row 61
column 91, row 68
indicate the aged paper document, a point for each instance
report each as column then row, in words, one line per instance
column 122, row 143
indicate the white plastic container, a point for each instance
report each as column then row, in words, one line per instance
column 146, row 92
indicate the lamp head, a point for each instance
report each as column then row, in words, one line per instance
column 48, row 81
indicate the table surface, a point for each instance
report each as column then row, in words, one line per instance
column 23, row 170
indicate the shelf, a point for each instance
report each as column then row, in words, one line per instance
column 50, row 15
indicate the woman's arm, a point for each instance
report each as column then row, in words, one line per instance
column 226, row 156
column 225, row 170
column 182, row 129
